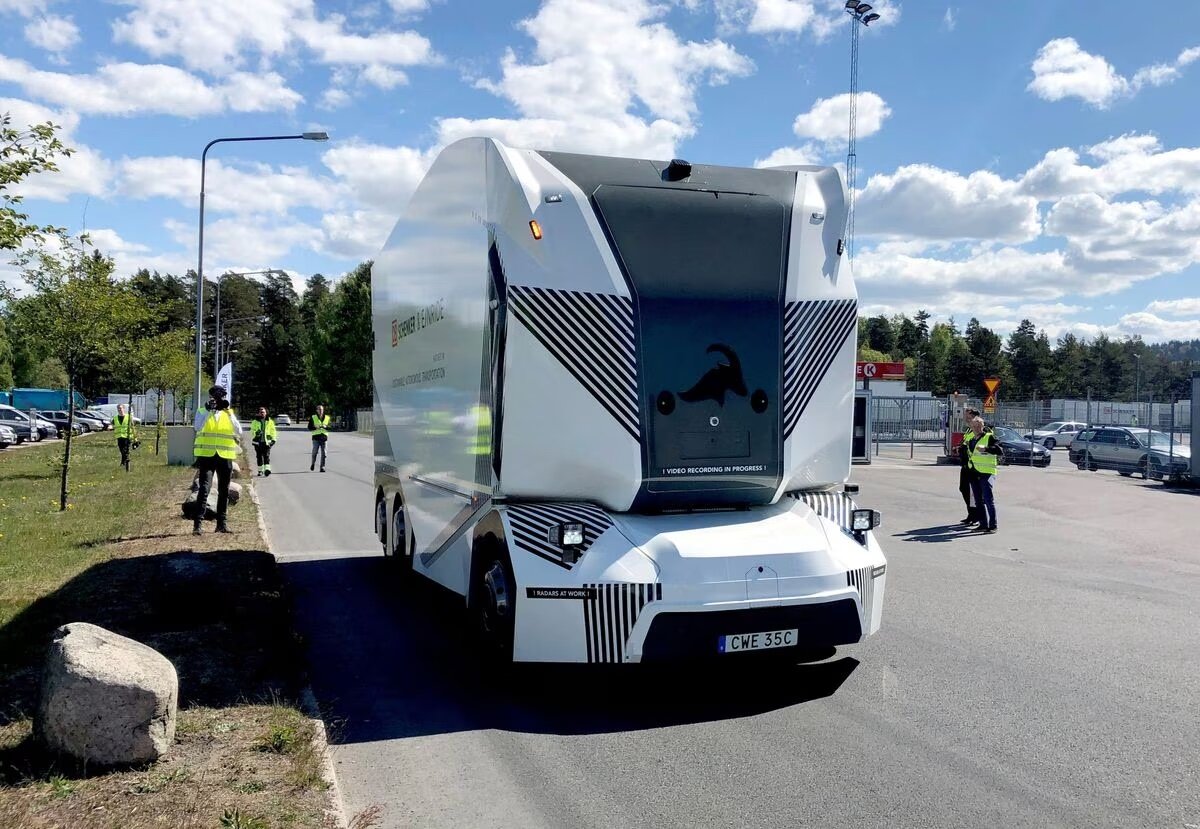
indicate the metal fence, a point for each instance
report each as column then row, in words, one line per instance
column 906, row 423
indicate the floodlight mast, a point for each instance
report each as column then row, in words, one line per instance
column 859, row 13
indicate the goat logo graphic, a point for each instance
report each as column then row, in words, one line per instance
column 725, row 376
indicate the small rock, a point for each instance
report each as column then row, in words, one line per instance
column 106, row 699
column 235, row 493
column 237, row 470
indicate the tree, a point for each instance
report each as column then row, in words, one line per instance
column 6, row 357
column 81, row 313
column 878, row 334
column 1030, row 358
column 23, row 153
column 274, row 366
column 341, row 347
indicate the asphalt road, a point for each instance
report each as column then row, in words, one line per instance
column 1045, row 676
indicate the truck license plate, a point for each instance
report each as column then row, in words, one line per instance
column 737, row 642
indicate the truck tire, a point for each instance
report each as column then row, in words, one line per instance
column 381, row 522
column 493, row 602
column 400, row 547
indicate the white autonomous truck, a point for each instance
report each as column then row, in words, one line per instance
column 613, row 404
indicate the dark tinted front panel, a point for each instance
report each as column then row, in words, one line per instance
column 708, row 271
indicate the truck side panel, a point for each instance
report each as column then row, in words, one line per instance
column 430, row 316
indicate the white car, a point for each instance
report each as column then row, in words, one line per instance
column 7, row 437
column 1058, row 433
column 283, row 420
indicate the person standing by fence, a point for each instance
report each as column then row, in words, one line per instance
column 123, row 428
column 263, row 436
column 318, row 424
column 966, row 472
column 984, row 463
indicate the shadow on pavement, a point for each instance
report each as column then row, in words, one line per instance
column 388, row 662
column 943, row 532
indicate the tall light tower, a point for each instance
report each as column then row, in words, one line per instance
column 859, row 13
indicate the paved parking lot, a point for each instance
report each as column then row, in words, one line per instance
column 1047, row 675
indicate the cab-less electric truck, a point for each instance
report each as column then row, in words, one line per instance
column 613, row 401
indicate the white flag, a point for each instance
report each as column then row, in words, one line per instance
column 225, row 378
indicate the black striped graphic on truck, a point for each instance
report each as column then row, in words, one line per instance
column 609, row 615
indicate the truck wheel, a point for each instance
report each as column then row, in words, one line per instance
column 494, row 603
column 400, row 541
column 381, row 522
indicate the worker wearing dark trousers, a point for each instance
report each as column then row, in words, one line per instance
column 984, row 463
column 965, row 472
column 123, row 428
column 262, row 435
column 215, row 448
column 318, row 424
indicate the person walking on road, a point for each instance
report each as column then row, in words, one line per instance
column 126, row 436
column 215, row 448
column 262, row 435
column 984, row 462
column 318, row 424
column 966, row 473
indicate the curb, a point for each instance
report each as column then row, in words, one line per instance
column 308, row 702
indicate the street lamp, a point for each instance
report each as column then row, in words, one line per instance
column 217, row 347
column 221, row 335
column 1137, row 383
column 304, row 136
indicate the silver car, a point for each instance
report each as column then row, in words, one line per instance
column 1058, row 433
column 1128, row 450
column 7, row 437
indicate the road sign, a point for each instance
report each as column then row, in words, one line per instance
column 878, row 371
column 989, row 402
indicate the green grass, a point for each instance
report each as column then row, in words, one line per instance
column 41, row 547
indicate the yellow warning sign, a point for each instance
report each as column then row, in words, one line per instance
column 991, row 383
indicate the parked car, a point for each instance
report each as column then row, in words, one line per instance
column 1058, row 433
column 283, row 420
column 18, row 421
column 1018, row 450
column 60, row 420
column 7, row 437
column 1128, row 450
column 97, row 420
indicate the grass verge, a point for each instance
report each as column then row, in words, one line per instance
column 124, row 558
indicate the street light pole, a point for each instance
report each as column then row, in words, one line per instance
column 305, row 136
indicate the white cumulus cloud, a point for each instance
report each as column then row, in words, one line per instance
column 1063, row 69
column 53, row 33
column 137, row 89
column 829, row 118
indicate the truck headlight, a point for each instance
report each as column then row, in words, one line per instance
column 862, row 520
column 569, row 534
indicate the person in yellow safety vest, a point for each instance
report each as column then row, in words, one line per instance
column 318, row 424
column 123, row 428
column 215, row 448
column 262, row 435
column 965, row 474
column 481, row 444
column 984, row 460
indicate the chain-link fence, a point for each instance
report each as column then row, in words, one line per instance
column 364, row 421
column 912, row 425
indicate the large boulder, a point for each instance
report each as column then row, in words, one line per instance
column 106, row 700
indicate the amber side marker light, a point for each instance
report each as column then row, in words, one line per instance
column 535, row 229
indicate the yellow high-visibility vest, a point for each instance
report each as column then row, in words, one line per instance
column 322, row 425
column 123, row 430
column 257, row 431
column 985, row 463
column 217, row 437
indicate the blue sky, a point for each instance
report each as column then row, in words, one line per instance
column 1014, row 161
